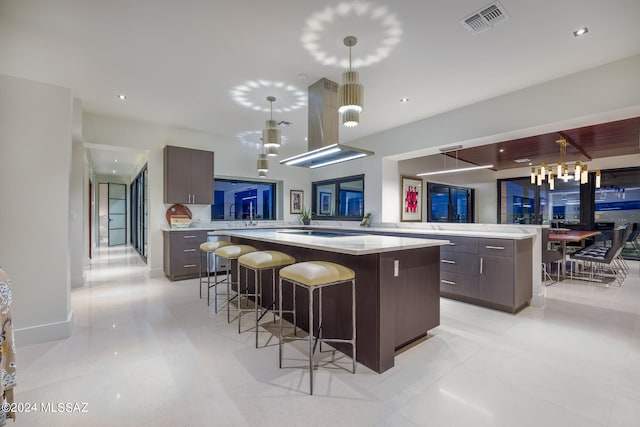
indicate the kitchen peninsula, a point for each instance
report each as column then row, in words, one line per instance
column 397, row 285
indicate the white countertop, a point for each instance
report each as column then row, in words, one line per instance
column 492, row 231
column 356, row 244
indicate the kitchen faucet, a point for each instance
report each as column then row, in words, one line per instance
column 251, row 215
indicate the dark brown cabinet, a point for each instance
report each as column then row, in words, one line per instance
column 182, row 253
column 188, row 176
column 491, row 272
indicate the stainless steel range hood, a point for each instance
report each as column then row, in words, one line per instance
column 323, row 129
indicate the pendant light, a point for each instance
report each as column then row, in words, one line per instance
column 350, row 91
column 271, row 133
column 262, row 165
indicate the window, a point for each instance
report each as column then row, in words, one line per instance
column 521, row 202
column 237, row 200
column 139, row 222
column 341, row 198
column 446, row 203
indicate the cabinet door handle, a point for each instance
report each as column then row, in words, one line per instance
column 189, row 250
column 189, row 237
column 500, row 248
column 189, row 265
column 446, row 261
column 481, row 264
column 448, row 282
column 194, row 199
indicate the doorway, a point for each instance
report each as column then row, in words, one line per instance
column 113, row 214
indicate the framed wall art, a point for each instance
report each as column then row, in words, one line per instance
column 411, row 199
column 296, row 200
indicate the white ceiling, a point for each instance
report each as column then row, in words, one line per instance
column 182, row 63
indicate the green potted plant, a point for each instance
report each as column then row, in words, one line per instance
column 366, row 220
column 305, row 216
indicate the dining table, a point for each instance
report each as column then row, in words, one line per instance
column 573, row 236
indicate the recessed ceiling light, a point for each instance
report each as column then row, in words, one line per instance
column 114, row 171
column 580, row 31
column 122, row 97
column 404, row 99
column 116, row 160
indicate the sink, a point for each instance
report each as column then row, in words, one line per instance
column 316, row 233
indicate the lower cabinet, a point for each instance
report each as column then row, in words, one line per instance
column 490, row 272
column 181, row 255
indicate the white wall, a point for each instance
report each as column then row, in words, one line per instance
column 77, row 216
column 482, row 181
column 35, row 165
column 232, row 159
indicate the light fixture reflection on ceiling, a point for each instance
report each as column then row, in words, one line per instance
column 379, row 19
column 579, row 173
column 271, row 133
column 122, row 97
column 350, row 93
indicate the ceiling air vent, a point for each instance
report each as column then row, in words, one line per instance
column 485, row 18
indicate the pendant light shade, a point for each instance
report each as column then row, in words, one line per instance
column 351, row 92
column 271, row 133
column 263, row 163
column 272, row 151
column 350, row 118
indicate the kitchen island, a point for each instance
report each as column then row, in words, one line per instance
column 397, row 286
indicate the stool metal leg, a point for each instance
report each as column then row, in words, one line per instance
column 200, row 272
column 258, row 290
column 310, row 340
column 228, row 290
column 280, row 327
column 353, row 321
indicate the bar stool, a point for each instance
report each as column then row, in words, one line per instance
column 258, row 262
column 318, row 275
column 206, row 249
column 230, row 253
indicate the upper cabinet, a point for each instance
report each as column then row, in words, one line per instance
column 188, row 176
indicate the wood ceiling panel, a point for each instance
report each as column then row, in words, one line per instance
column 603, row 140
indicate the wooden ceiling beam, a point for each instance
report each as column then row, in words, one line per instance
column 575, row 145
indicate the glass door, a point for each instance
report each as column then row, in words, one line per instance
column 117, row 214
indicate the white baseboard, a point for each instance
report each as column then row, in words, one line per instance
column 43, row 333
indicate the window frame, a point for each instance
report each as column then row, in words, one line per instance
column 336, row 205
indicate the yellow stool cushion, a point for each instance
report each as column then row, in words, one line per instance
column 314, row 273
column 234, row 251
column 212, row 246
column 265, row 259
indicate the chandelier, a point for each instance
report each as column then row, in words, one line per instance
column 561, row 170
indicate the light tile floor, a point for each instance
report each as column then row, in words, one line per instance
column 148, row 352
